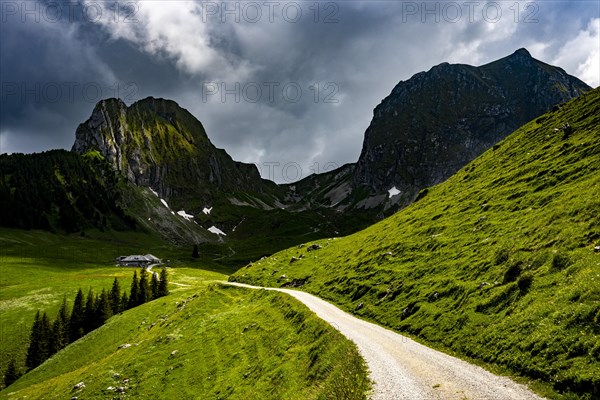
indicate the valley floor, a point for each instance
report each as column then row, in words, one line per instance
column 404, row 369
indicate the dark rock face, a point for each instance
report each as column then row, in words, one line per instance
column 155, row 143
column 423, row 132
column 436, row 122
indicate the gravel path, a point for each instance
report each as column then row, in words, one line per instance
column 404, row 369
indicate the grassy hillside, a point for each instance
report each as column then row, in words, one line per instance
column 61, row 191
column 38, row 268
column 230, row 342
column 214, row 342
column 496, row 264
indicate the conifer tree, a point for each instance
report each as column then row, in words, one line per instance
column 163, row 284
column 103, row 309
column 144, row 287
column 134, row 293
column 124, row 301
column 115, row 297
column 65, row 318
column 195, row 252
column 56, row 336
column 59, row 337
column 12, row 373
column 154, row 286
column 95, row 316
column 45, row 337
column 89, row 313
column 33, row 358
column 76, row 322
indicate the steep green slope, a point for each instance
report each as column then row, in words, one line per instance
column 38, row 268
column 58, row 190
column 64, row 192
column 498, row 263
column 210, row 342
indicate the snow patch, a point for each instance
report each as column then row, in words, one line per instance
column 165, row 203
column 207, row 210
column 152, row 190
column 185, row 215
column 216, row 231
column 393, row 192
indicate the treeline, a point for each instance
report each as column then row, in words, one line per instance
column 61, row 191
column 88, row 313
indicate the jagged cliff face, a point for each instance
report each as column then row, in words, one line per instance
column 436, row 122
column 425, row 130
column 157, row 144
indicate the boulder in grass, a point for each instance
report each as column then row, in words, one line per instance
column 314, row 247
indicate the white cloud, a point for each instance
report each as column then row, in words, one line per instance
column 580, row 56
column 176, row 32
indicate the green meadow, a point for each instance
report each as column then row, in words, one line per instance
column 205, row 340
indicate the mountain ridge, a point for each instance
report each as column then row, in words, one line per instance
column 437, row 121
column 499, row 263
column 427, row 127
column 156, row 143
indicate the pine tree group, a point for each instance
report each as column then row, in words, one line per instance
column 87, row 314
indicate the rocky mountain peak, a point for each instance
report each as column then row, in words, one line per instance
column 437, row 121
column 156, row 143
column 521, row 53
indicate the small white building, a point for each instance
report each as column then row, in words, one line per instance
column 138, row 260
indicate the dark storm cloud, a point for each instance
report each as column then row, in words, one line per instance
column 240, row 74
column 49, row 79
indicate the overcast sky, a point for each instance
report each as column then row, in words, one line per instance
column 289, row 86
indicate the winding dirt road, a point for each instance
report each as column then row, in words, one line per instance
column 403, row 369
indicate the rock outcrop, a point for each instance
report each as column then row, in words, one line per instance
column 438, row 121
column 155, row 143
